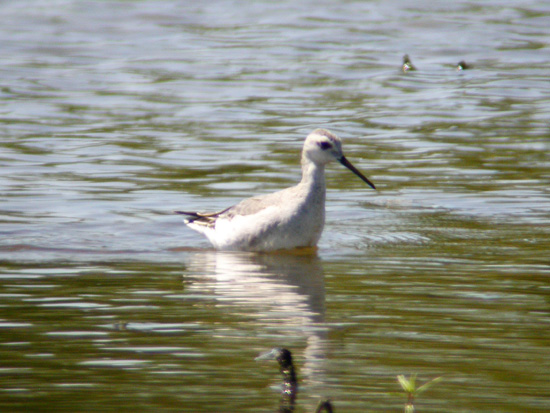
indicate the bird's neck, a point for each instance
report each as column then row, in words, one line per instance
column 313, row 175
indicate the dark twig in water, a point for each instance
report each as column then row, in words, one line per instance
column 324, row 406
column 290, row 383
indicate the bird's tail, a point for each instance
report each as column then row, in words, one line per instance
column 191, row 216
column 203, row 218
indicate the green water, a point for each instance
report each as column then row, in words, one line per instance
column 115, row 114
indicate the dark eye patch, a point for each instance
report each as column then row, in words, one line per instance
column 324, row 145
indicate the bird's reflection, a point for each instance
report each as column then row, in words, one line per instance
column 283, row 292
column 288, row 283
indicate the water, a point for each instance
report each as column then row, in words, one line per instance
column 114, row 114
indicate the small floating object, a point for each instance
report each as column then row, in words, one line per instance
column 407, row 65
column 324, row 406
column 462, row 65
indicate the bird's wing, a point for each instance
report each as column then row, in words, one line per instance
column 202, row 218
column 249, row 206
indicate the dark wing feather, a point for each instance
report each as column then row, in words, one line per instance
column 204, row 218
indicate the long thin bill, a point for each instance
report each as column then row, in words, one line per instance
column 353, row 169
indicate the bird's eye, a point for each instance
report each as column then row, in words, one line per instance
column 324, row 145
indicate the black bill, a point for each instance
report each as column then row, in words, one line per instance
column 353, row 169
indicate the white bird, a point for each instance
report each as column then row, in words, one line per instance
column 291, row 218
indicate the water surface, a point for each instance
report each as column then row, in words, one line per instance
column 114, row 114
